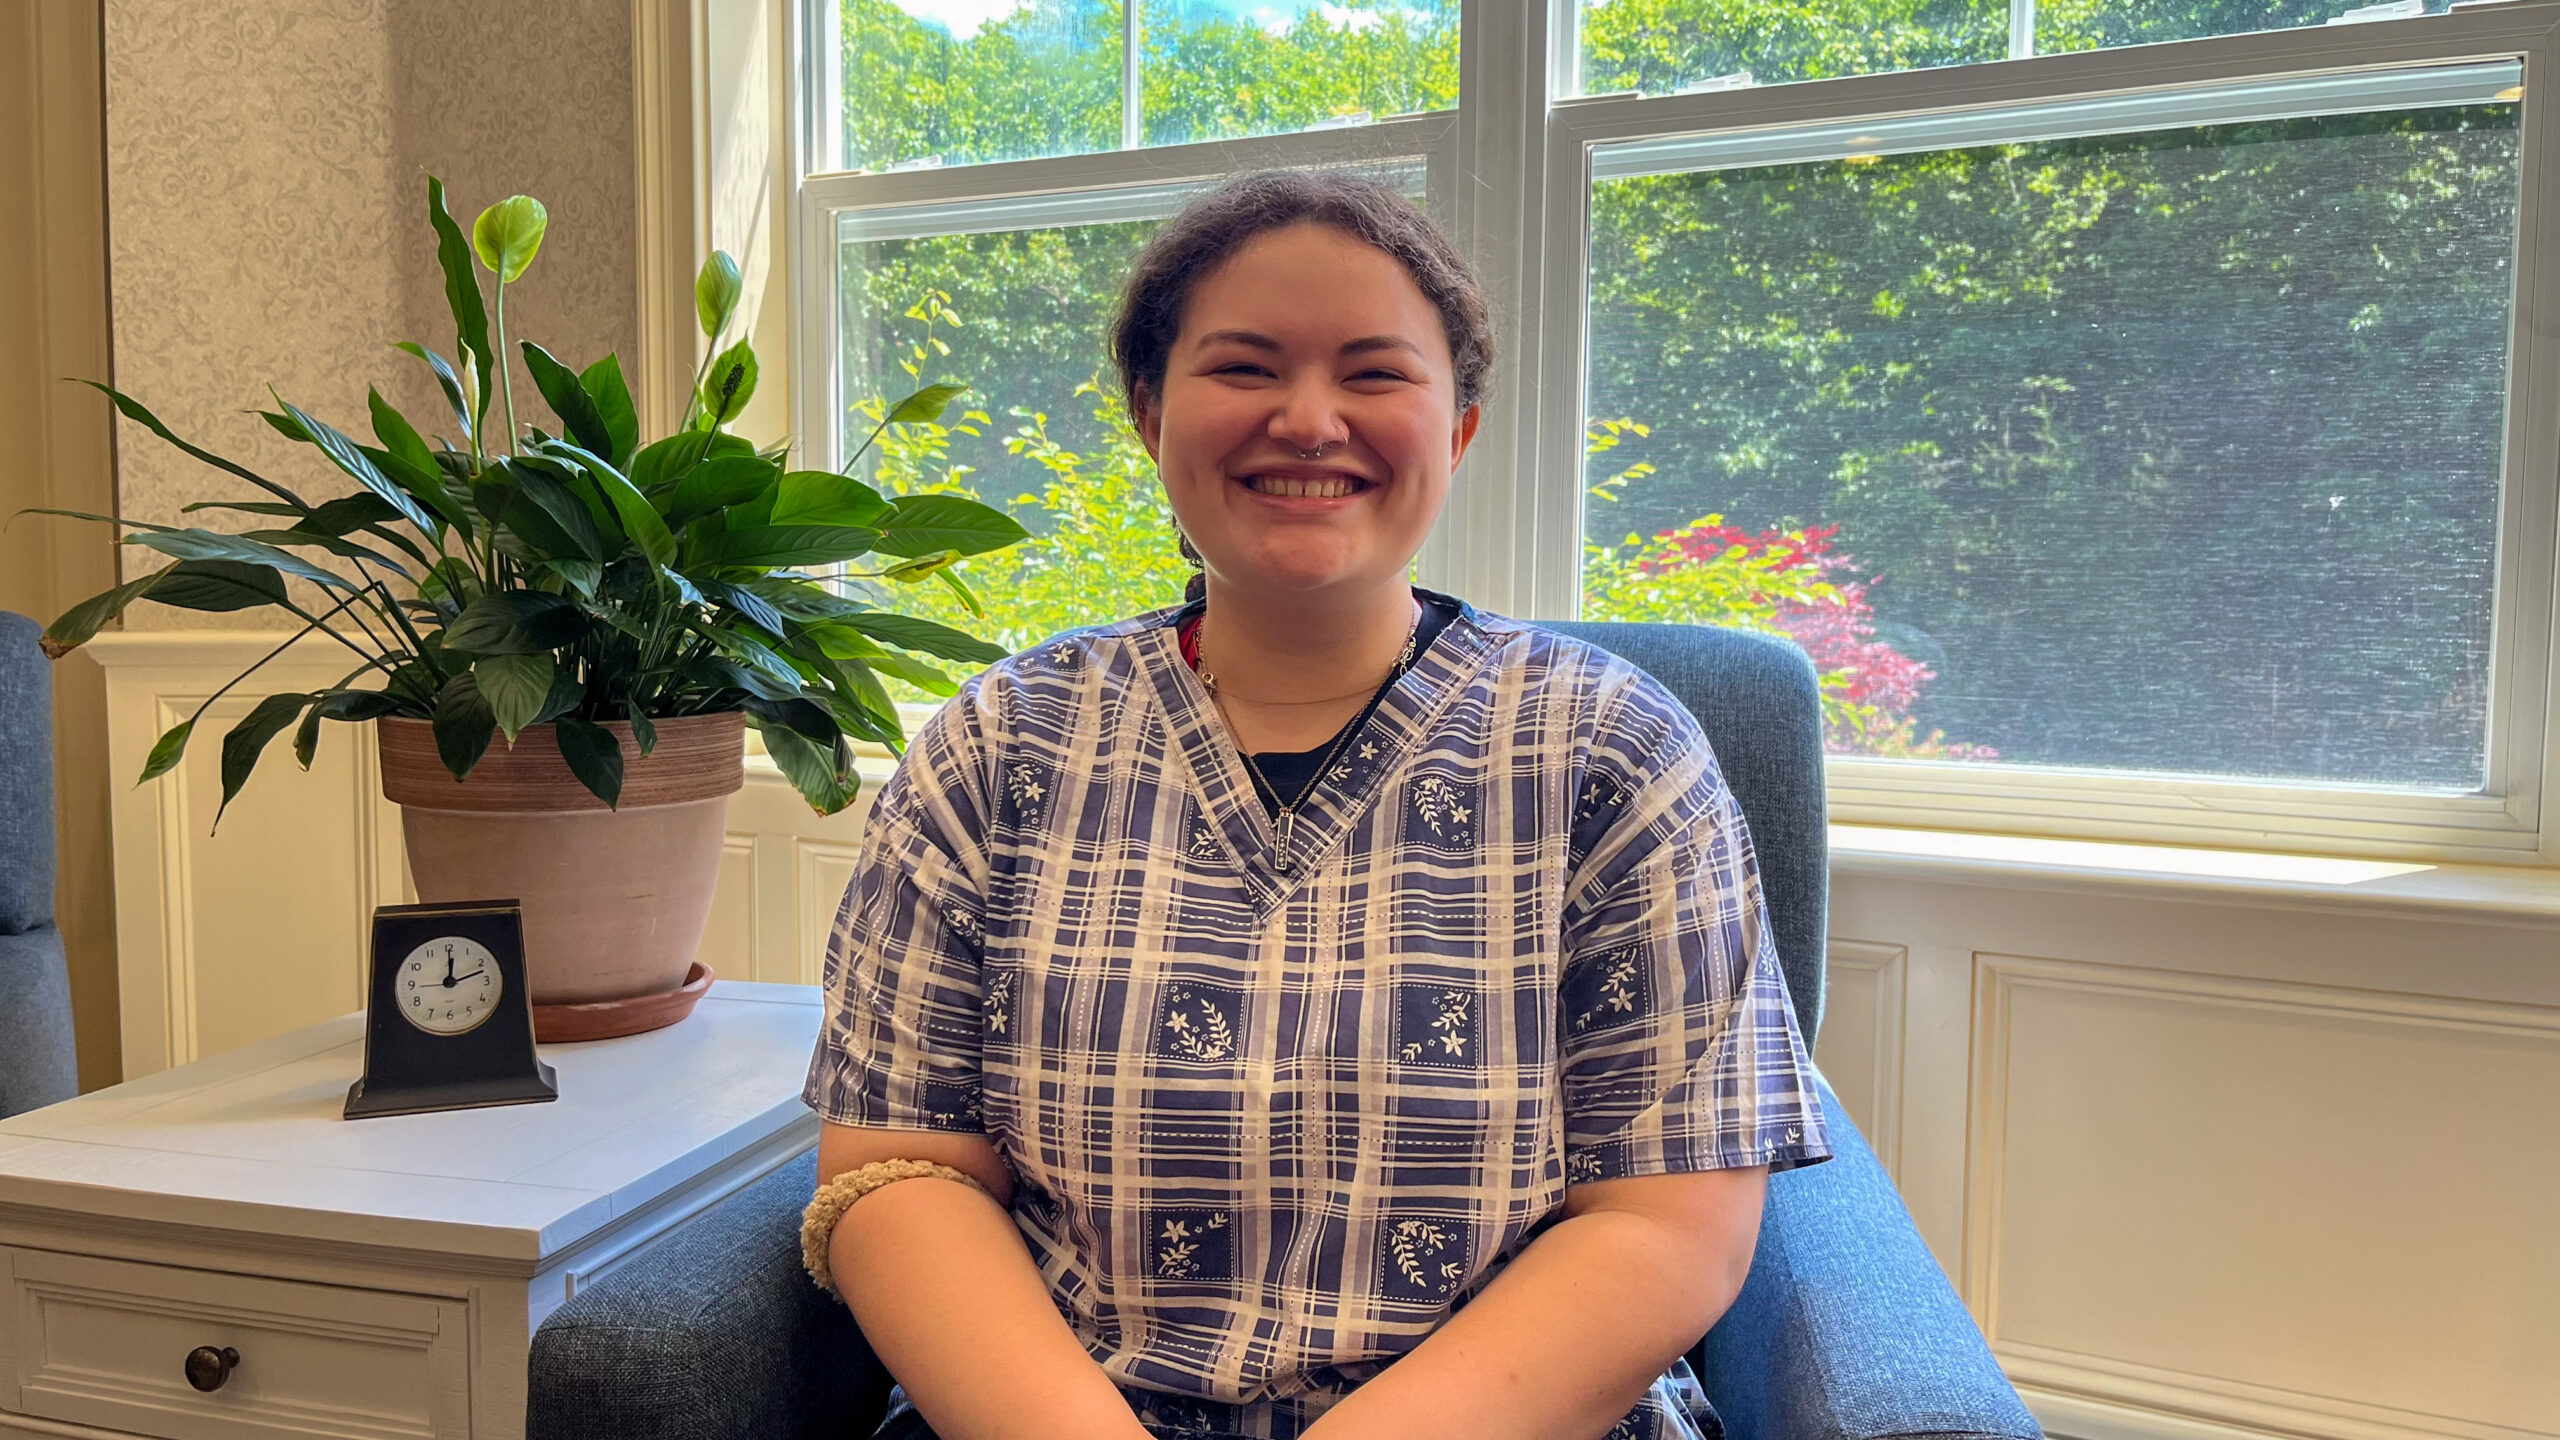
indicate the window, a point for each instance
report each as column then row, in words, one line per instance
column 2133, row 406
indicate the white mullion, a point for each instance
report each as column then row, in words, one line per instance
column 1503, row 74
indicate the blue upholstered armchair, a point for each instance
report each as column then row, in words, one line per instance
column 1846, row 1327
column 36, row 1061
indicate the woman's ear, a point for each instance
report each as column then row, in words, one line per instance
column 1147, row 418
column 1462, row 436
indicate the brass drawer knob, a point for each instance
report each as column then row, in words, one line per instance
column 207, row 1367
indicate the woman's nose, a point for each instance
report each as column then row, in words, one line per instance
column 1308, row 419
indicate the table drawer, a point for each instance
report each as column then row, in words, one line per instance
column 105, row 1343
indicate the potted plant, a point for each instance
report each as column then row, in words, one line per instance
column 559, row 636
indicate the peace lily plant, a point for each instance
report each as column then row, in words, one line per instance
column 512, row 576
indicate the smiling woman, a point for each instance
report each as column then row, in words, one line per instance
column 1380, row 1027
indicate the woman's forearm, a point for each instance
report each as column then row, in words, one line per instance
column 1567, row 1338
column 947, row 1295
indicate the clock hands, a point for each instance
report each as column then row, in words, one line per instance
column 474, row 975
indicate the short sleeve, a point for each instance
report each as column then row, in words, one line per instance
column 1679, row 1046
column 900, row 1048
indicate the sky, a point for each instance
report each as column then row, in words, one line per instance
column 964, row 17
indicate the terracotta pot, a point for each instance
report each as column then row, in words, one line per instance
column 614, row 900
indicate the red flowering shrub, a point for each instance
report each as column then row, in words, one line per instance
column 1794, row 583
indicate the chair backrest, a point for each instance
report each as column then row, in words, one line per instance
column 26, row 777
column 1756, row 698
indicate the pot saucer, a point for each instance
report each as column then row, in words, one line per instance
column 605, row 1019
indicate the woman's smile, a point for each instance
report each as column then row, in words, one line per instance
column 1306, row 483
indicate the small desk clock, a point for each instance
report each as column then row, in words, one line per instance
column 448, row 1024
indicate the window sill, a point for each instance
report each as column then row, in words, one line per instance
column 2219, row 876
column 2017, row 862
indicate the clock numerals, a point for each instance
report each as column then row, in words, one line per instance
column 449, row 985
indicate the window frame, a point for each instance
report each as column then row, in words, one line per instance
column 1510, row 172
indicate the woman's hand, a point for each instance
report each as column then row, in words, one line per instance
column 946, row 1293
column 1568, row 1337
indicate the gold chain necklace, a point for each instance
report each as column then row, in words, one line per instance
column 1288, row 810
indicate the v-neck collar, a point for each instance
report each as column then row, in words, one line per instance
column 1339, row 795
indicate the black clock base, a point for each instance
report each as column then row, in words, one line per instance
column 418, row 1099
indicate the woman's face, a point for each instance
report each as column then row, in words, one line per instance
column 1307, row 340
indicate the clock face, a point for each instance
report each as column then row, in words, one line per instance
column 448, row 985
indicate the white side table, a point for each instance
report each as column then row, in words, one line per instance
column 376, row 1278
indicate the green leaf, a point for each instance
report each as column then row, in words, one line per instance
column 801, row 600
column 337, row 705
column 463, row 725
column 926, row 404
column 594, row 756
column 716, row 675
column 923, row 524
column 775, row 547
column 922, row 567
column 580, row 575
column 668, row 461
column 644, row 733
column 249, row 739
column 798, row 713
column 915, row 672
column 544, row 513
column 567, row 398
column 760, row 659
column 74, row 626
column 516, row 687
column 349, row 513
column 639, row 519
column 449, row 583
column 728, row 385
column 132, row 410
column 405, row 458
column 167, row 751
column 217, row 585
column 715, row 293
column 715, row 485
column 910, row 633
column 508, row 234
column 607, row 391
column 823, row 775
column 567, row 693
column 213, row 545
column 448, row 382
column 331, row 543
column 462, row 294
column 343, row 453
column 821, row 497
column 397, row 435
column 516, row 622
column 754, row 608
column 960, row 590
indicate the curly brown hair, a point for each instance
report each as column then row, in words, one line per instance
column 1216, row 225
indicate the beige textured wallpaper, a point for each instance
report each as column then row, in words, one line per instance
column 267, row 164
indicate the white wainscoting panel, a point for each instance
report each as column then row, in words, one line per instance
column 1860, row 1047
column 2300, row 1205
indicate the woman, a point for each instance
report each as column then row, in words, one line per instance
column 1445, row 1030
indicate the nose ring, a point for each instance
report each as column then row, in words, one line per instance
column 1319, row 452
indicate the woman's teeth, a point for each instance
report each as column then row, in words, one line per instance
column 1329, row 489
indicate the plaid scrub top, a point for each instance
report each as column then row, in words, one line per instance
column 1273, row 1115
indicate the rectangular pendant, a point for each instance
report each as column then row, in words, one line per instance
column 1286, row 815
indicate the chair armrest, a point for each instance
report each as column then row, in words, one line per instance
column 715, row 1333
column 1847, row 1329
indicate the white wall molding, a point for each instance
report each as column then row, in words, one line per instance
column 1860, row 1048
column 670, row 130
column 2276, row 1206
